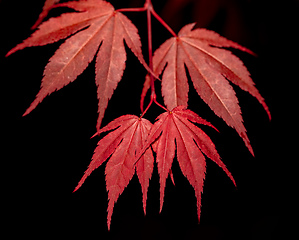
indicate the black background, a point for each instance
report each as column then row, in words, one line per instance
column 45, row 154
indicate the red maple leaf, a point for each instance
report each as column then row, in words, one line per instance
column 120, row 146
column 210, row 67
column 175, row 131
column 97, row 29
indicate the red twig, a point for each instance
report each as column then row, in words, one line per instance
column 148, row 7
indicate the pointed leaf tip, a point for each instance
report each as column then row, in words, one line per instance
column 175, row 133
column 202, row 52
column 127, row 135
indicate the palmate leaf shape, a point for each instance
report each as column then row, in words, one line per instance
column 96, row 30
column 210, row 67
column 95, row 27
column 121, row 145
column 175, row 131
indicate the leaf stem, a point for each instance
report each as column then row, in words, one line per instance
column 150, row 46
column 149, row 11
column 148, row 7
column 148, row 106
column 163, row 22
column 131, row 9
column 161, row 106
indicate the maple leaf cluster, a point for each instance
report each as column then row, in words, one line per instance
column 97, row 30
